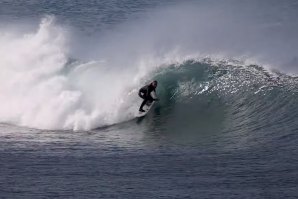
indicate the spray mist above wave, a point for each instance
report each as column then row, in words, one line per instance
column 224, row 30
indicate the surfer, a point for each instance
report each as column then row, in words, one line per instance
column 145, row 93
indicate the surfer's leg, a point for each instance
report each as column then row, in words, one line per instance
column 142, row 105
column 150, row 99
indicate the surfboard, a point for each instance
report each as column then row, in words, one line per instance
column 146, row 108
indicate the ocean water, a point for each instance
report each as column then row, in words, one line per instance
column 226, row 124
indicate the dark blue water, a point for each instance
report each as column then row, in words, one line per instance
column 120, row 164
column 225, row 125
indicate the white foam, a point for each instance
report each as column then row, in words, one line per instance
column 39, row 89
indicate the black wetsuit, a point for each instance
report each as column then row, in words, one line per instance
column 144, row 93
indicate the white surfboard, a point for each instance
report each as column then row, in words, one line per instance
column 146, row 108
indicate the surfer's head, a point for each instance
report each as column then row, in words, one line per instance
column 154, row 83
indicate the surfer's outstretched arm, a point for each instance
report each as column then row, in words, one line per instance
column 154, row 96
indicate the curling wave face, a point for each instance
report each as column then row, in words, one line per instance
column 207, row 97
